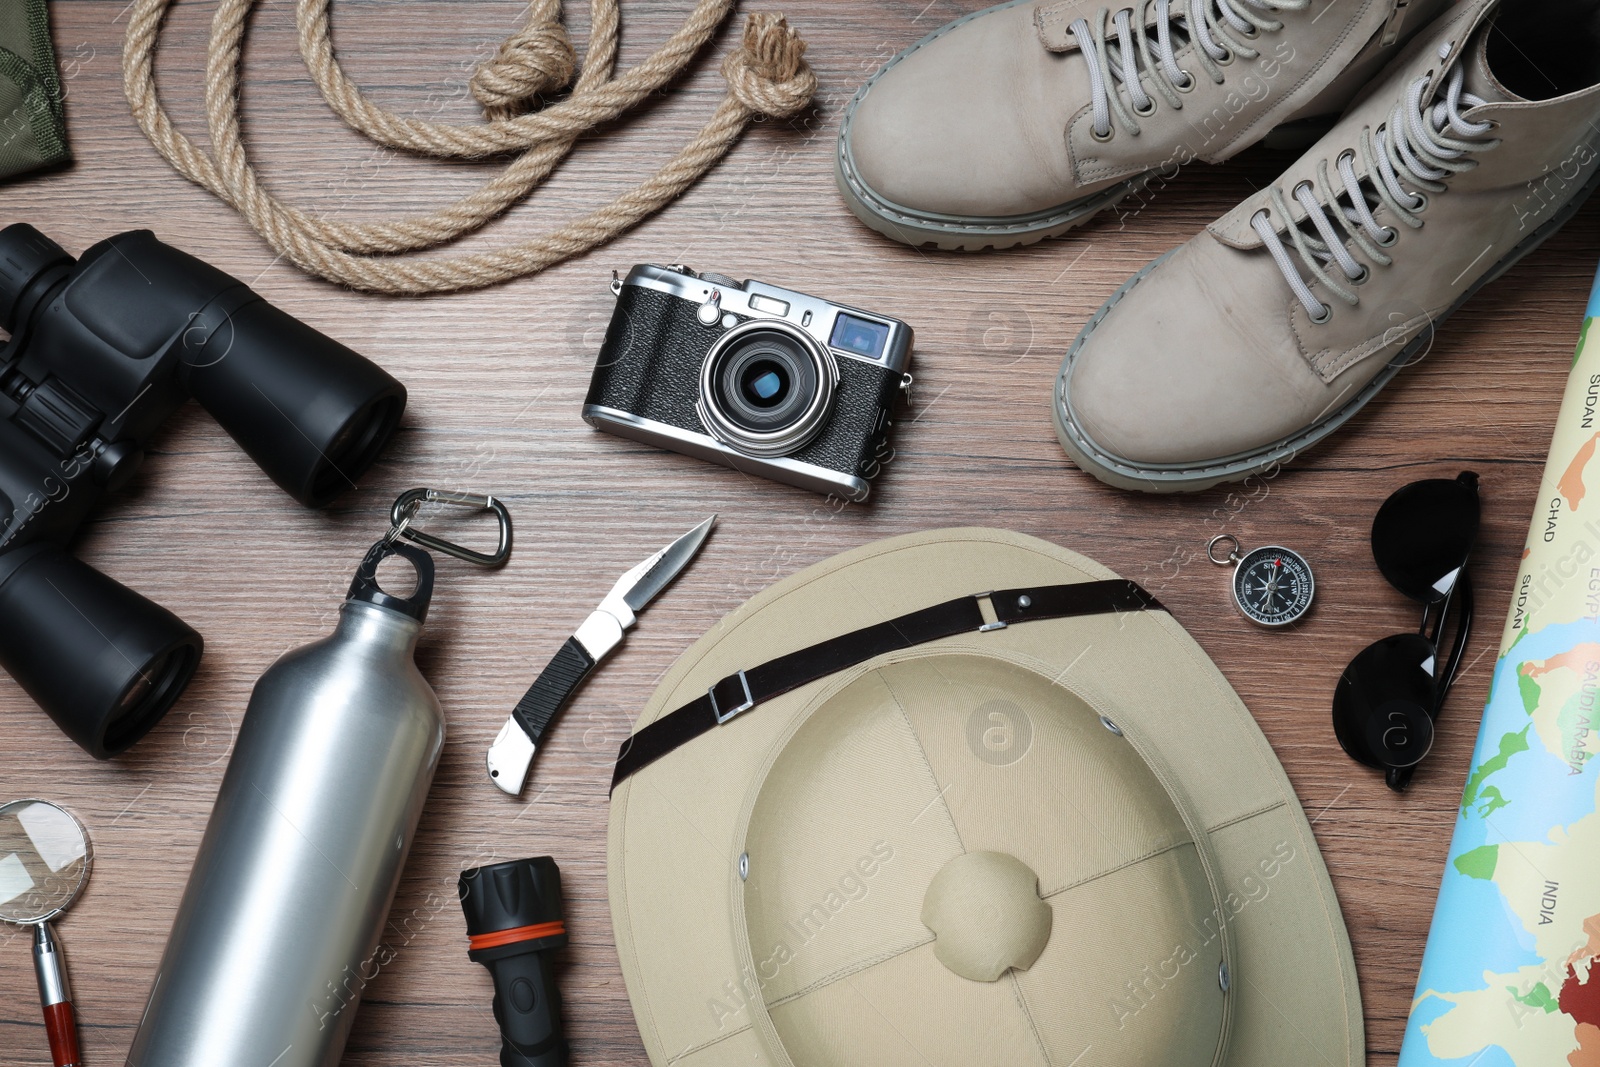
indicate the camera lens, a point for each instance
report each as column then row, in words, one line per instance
column 764, row 381
column 766, row 388
column 765, row 384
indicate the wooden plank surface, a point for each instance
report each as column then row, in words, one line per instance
column 496, row 380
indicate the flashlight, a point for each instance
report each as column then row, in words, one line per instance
column 515, row 925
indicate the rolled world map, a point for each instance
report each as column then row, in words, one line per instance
column 1511, row 974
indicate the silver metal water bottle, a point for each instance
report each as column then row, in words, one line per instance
column 277, row 933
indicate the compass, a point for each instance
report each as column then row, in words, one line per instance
column 1273, row 585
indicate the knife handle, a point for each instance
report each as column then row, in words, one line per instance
column 551, row 691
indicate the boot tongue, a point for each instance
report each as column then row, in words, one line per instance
column 1480, row 81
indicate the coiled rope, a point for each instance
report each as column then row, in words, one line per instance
column 766, row 75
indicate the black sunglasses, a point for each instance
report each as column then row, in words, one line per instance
column 1390, row 695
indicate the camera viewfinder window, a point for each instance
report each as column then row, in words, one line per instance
column 861, row 336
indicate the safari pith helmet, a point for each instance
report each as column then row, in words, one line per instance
column 1058, row 841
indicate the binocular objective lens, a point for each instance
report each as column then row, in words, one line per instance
column 354, row 448
column 148, row 696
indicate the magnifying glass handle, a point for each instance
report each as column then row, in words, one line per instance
column 60, row 1022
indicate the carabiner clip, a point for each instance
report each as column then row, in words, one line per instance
column 405, row 509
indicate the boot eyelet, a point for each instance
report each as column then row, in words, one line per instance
column 1421, row 203
column 1391, row 238
column 1327, row 313
column 1149, row 109
column 1366, row 276
column 1227, row 58
column 1188, row 85
column 1252, row 33
column 1101, row 137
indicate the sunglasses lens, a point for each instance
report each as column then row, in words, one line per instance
column 1381, row 706
column 1423, row 535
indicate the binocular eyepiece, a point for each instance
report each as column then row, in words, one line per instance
column 102, row 350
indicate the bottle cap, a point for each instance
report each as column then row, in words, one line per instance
column 364, row 587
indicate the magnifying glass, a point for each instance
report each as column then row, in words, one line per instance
column 44, row 864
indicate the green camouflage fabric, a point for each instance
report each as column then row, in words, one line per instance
column 33, row 131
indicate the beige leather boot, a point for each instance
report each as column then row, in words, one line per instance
column 1265, row 333
column 1021, row 121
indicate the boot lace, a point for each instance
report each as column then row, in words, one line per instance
column 1222, row 28
column 1421, row 145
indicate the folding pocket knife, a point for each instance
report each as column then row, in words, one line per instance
column 512, row 753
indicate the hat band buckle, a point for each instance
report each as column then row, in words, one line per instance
column 716, row 708
column 998, row 624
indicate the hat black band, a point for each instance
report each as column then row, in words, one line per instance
column 740, row 692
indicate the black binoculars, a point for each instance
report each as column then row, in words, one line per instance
column 102, row 350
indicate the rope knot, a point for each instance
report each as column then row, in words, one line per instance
column 768, row 72
column 537, row 59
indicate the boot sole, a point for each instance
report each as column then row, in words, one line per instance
column 957, row 233
column 950, row 233
column 1179, row 478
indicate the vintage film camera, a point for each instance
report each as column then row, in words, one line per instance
column 762, row 379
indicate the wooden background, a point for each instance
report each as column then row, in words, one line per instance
column 496, row 381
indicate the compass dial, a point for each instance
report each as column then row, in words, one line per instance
column 1273, row 586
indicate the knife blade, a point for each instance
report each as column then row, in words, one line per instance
column 511, row 754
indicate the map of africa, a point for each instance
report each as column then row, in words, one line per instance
column 1523, row 987
column 1511, row 975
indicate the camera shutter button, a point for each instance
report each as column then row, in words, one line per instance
column 709, row 312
